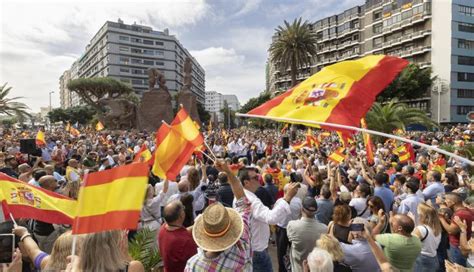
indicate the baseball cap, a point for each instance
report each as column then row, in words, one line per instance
column 310, row 204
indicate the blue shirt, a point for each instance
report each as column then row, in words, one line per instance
column 410, row 204
column 359, row 256
column 386, row 195
column 324, row 212
column 432, row 191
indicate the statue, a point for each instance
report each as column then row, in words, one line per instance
column 185, row 96
column 156, row 103
column 119, row 113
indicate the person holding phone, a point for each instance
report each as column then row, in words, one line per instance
column 358, row 255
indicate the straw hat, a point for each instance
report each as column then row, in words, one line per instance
column 218, row 228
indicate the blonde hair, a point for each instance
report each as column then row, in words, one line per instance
column 428, row 216
column 71, row 189
column 61, row 249
column 103, row 251
column 331, row 245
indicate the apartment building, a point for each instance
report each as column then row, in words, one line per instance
column 431, row 33
column 215, row 102
column 126, row 52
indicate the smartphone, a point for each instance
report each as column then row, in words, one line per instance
column 357, row 227
column 7, row 247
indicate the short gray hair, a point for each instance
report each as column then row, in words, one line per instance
column 319, row 260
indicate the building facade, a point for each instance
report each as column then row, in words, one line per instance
column 126, row 52
column 215, row 102
column 430, row 33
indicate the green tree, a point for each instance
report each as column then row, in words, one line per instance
column 142, row 248
column 392, row 115
column 294, row 46
column 79, row 114
column 204, row 115
column 11, row 106
column 413, row 82
column 91, row 90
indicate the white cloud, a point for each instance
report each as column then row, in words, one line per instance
column 248, row 6
column 217, row 56
column 39, row 40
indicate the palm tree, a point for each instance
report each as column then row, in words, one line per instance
column 392, row 116
column 10, row 106
column 294, row 46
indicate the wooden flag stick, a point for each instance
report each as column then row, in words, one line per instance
column 210, row 150
column 310, row 122
column 207, row 156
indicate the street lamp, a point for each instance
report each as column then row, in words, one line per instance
column 51, row 92
column 440, row 88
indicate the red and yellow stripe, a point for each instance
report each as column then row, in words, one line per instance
column 40, row 141
column 111, row 199
column 27, row 201
column 338, row 155
column 174, row 145
column 369, row 148
column 341, row 93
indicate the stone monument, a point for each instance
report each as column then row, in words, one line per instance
column 185, row 96
column 155, row 104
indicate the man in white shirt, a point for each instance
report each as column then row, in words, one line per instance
column 260, row 148
column 282, row 242
column 262, row 217
column 359, row 201
column 232, row 148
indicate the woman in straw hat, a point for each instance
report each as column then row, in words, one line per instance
column 223, row 234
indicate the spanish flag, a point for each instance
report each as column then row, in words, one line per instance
column 369, row 148
column 111, row 199
column 27, row 201
column 40, row 138
column 74, row 131
column 341, row 93
column 99, row 126
column 338, row 155
column 143, row 155
column 175, row 144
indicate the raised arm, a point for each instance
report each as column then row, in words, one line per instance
column 234, row 182
column 26, row 242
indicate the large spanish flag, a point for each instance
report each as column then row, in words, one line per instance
column 175, row 144
column 111, row 199
column 40, row 141
column 27, row 201
column 341, row 93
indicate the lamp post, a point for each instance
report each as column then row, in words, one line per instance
column 51, row 92
column 440, row 88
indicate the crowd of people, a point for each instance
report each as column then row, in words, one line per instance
column 246, row 194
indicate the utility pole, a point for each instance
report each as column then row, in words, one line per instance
column 50, row 108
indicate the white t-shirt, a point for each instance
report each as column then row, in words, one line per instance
column 431, row 242
column 360, row 204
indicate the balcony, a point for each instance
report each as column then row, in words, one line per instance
column 407, row 38
column 415, row 51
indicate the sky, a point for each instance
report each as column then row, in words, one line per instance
column 39, row 40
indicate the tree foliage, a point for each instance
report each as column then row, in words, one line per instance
column 11, row 106
column 142, row 248
column 204, row 115
column 255, row 102
column 91, row 90
column 392, row 115
column 294, row 46
column 229, row 116
column 413, row 82
column 80, row 114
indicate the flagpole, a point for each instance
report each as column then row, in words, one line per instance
column 207, row 156
column 303, row 122
column 210, row 150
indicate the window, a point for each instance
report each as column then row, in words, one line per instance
column 377, row 15
column 148, row 52
column 466, row 77
column 137, row 81
column 136, row 40
column 464, row 109
column 377, row 28
column 136, row 61
column 159, row 43
column 137, row 71
column 465, row 44
column 126, row 80
column 136, row 51
column 124, row 60
column 148, row 42
column 465, row 60
column 377, row 42
column 123, row 38
column 148, row 62
column 465, row 27
column 160, row 63
column 465, row 93
column 467, row 11
column 124, row 70
column 159, row 53
column 123, row 49
column 407, row 14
